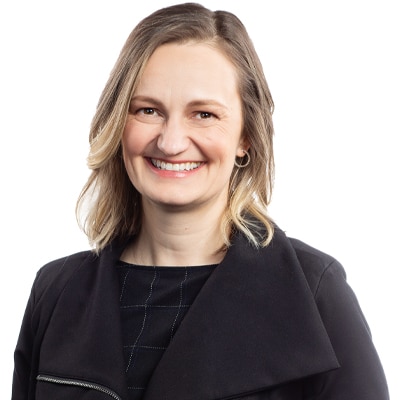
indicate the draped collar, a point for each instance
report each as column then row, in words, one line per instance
column 253, row 325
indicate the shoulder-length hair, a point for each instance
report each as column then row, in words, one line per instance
column 109, row 206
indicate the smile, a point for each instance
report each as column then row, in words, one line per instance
column 167, row 166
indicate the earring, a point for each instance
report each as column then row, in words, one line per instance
column 241, row 164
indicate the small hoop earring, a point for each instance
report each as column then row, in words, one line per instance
column 245, row 164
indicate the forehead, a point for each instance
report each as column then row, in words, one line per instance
column 199, row 65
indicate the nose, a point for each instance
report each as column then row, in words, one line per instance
column 173, row 138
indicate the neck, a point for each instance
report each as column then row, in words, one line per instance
column 179, row 238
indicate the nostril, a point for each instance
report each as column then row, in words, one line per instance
column 172, row 144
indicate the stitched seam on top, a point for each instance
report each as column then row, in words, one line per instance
column 180, row 303
column 60, row 292
column 123, row 286
column 321, row 277
column 144, row 321
column 155, row 306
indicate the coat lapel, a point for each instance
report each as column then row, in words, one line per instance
column 254, row 325
column 83, row 338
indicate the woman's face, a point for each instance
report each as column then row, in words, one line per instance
column 183, row 130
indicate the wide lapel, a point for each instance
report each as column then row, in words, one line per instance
column 254, row 325
column 83, row 338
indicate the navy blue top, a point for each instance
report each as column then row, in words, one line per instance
column 153, row 302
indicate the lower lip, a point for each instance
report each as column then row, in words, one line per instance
column 172, row 174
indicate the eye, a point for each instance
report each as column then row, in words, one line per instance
column 147, row 111
column 147, row 115
column 204, row 119
column 204, row 115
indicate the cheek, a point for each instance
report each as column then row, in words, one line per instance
column 130, row 151
column 224, row 145
column 128, row 143
column 135, row 138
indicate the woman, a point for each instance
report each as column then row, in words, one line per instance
column 191, row 291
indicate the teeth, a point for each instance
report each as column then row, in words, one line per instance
column 188, row 166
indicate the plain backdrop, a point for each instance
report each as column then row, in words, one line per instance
column 333, row 69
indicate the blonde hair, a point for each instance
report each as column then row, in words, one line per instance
column 109, row 206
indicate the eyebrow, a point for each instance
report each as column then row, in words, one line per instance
column 193, row 103
column 206, row 102
column 147, row 99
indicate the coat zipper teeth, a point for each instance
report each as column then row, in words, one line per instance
column 74, row 382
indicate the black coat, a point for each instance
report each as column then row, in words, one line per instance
column 279, row 323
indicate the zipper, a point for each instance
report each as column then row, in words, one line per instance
column 79, row 383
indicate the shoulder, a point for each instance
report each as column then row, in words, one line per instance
column 62, row 265
column 59, row 271
column 316, row 265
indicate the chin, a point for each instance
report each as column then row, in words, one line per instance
column 173, row 202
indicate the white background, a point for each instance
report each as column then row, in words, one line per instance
column 333, row 69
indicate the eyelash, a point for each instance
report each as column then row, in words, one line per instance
column 150, row 111
column 205, row 114
column 145, row 110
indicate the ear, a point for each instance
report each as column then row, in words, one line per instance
column 244, row 146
